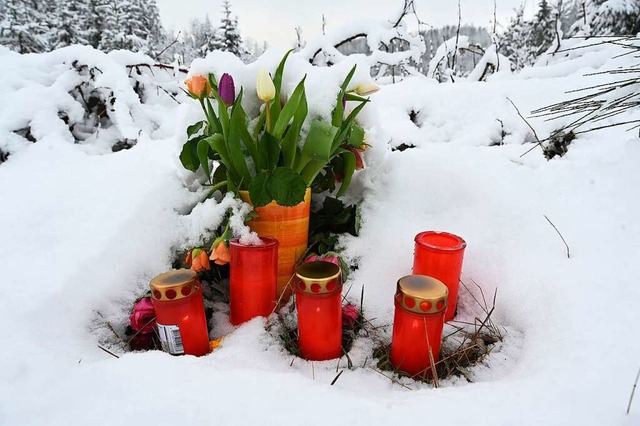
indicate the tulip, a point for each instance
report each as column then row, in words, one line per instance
column 198, row 86
column 365, row 89
column 264, row 86
column 143, row 317
column 227, row 90
column 199, row 260
column 326, row 258
column 349, row 315
column 356, row 153
column 220, row 253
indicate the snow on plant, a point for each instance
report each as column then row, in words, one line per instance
column 85, row 96
column 391, row 51
column 264, row 154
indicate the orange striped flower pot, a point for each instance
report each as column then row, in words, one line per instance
column 290, row 226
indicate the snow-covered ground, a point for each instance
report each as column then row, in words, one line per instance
column 82, row 231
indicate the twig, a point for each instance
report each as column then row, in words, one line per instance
column 535, row 134
column 633, row 391
column 455, row 50
column 432, row 360
column 337, row 377
column 166, row 48
column 557, row 34
column 108, row 351
column 563, row 240
column 393, row 379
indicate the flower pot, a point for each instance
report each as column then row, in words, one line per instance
column 252, row 281
column 290, row 226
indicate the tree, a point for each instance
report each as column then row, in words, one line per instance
column 199, row 39
column 131, row 24
column 515, row 41
column 543, row 30
column 229, row 35
column 25, row 27
column 614, row 17
column 70, row 23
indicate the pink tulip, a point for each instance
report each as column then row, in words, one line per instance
column 143, row 317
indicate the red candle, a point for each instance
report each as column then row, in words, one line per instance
column 177, row 300
column 319, row 303
column 253, row 278
column 417, row 325
column 439, row 255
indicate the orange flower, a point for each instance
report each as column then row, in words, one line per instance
column 199, row 260
column 198, row 85
column 220, row 254
column 213, row 344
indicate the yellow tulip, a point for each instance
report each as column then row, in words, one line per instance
column 365, row 89
column 264, row 86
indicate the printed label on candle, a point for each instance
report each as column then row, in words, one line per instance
column 170, row 339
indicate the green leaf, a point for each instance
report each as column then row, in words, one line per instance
column 220, row 173
column 268, row 152
column 346, row 126
column 356, row 138
column 194, row 128
column 258, row 190
column 349, row 167
column 223, row 114
column 338, row 111
column 212, row 118
column 311, row 170
column 274, row 105
column 318, row 145
column 216, row 142
column 249, row 144
column 354, row 97
column 189, row 154
column 213, row 82
column 290, row 141
column 289, row 110
column 286, row 187
column 234, row 141
column 203, row 157
column 277, row 78
column 260, row 124
column 348, row 78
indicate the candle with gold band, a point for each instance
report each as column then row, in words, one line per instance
column 177, row 300
column 318, row 290
column 420, row 304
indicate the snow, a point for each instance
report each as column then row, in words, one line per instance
column 84, row 230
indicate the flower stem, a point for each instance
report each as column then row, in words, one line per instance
column 266, row 105
column 214, row 188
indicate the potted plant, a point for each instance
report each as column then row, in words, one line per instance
column 264, row 159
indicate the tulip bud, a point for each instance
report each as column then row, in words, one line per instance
column 198, row 86
column 365, row 89
column 220, row 253
column 264, row 86
column 227, row 89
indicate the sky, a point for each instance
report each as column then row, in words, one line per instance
column 274, row 21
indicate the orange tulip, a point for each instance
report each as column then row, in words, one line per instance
column 200, row 261
column 198, row 85
column 220, row 254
